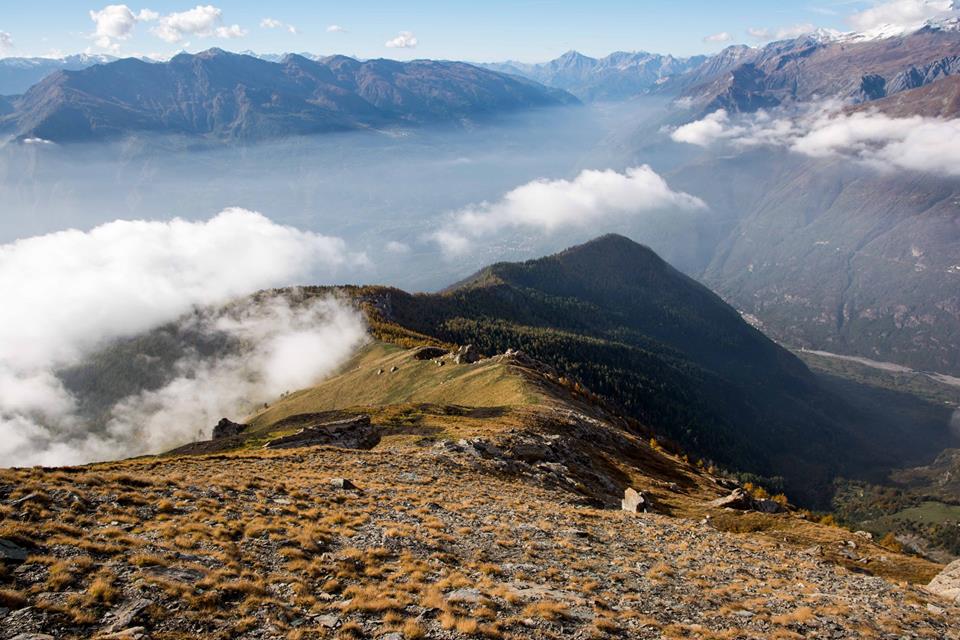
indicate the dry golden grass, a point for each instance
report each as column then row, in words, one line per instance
column 242, row 542
column 547, row 610
column 800, row 615
column 12, row 599
column 413, row 630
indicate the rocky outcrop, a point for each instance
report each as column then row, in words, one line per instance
column 947, row 583
column 552, row 460
column 466, row 354
column 353, row 433
column 742, row 501
column 429, row 353
column 226, row 428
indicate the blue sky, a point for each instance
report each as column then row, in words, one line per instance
column 529, row 30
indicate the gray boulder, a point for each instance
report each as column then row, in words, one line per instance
column 768, row 506
column 738, row 499
column 636, row 501
column 123, row 616
column 946, row 584
column 343, row 483
column 12, row 552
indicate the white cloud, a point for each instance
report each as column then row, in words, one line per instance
column 203, row 21
column 271, row 23
column 66, row 293
column 783, row 33
column 795, row 31
column 929, row 145
column 723, row 36
column 397, row 247
column 548, row 205
column 233, row 31
column 902, row 15
column 404, row 40
column 117, row 22
column 286, row 347
column 335, row 28
column 708, row 130
column 6, row 42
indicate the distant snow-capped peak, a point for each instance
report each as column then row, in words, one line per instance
column 886, row 31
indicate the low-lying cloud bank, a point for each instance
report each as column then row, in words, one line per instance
column 593, row 197
column 69, row 293
column 887, row 143
column 284, row 347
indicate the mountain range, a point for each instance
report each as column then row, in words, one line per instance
column 838, row 257
column 242, row 96
column 430, row 491
column 19, row 74
column 819, row 66
column 617, row 76
column 230, row 96
column 634, row 331
column 826, row 253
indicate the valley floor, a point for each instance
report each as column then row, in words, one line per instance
column 269, row 545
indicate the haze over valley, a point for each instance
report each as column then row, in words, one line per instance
column 264, row 277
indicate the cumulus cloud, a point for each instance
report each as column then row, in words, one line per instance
column 902, row 15
column 723, row 36
column 335, row 28
column 68, row 293
column 548, row 205
column 404, row 40
column 6, row 42
column 706, row 131
column 271, row 23
column 203, row 21
column 915, row 143
column 117, row 22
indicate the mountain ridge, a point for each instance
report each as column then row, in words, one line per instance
column 228, row 96
column 497, row 515
column 810, row 67
column 617, row 76
column 662, row 348
column 675, row 356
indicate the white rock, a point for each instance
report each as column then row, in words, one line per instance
column 947, row 583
